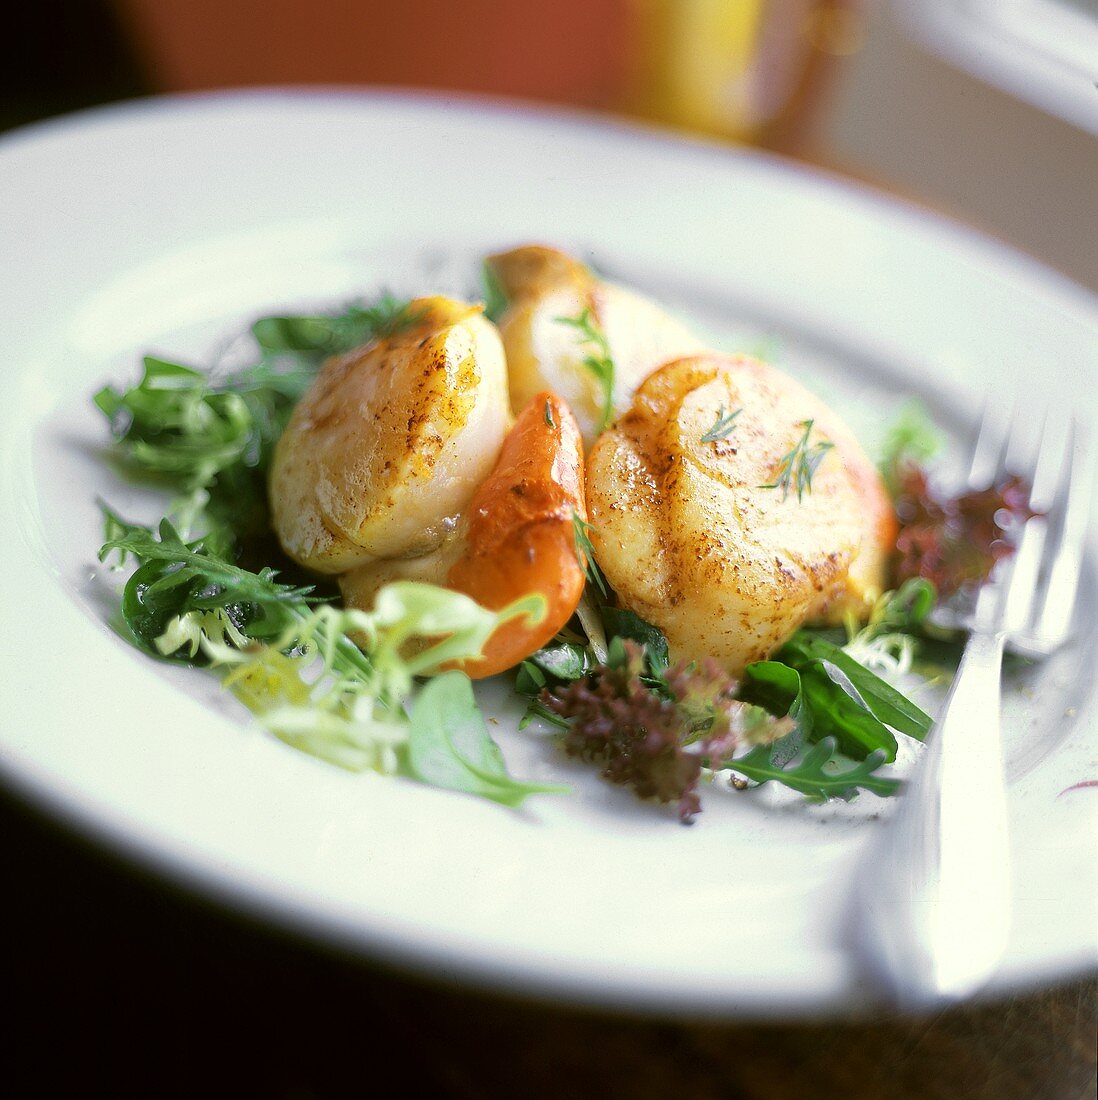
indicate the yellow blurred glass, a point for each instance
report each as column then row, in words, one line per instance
column 738, row 69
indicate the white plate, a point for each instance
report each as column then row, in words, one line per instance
column 164, row 225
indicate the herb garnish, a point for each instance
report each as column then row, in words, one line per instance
column 599, row 363
column 798, row 466
column 585, row 552
column 722, row 426
column 549, row 414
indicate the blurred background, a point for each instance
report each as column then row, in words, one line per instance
column 985, row 110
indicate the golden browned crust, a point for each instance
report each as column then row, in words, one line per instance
column 391, row 440
column 691, row 541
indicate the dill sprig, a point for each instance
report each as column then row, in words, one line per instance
column 585, row 552
column 722, row 426
column 798, row 466
column 600, row 362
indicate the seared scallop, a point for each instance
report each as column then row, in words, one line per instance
column 402, row 463
column 730, row 506
column 387, row 448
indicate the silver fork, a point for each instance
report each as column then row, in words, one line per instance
column 933, row 898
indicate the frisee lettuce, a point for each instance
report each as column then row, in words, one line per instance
column 333, row 682
column 208, row 438
column 336, row 683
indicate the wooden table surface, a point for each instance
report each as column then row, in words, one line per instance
column 124, row 985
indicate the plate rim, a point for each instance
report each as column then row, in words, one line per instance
column 158, row 854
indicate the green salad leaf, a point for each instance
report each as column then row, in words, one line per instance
column 821, row 704
column 171, row 422
column 495, row 300
column 629, row 626
column 816, row 773
column 333, row 682
column 449, row 745
column 323, row 334
column 181, row 588
column 890, row 706
column 209, row 438
column 911, row 440
column 831, row 693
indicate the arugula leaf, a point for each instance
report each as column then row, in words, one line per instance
column 620, row 623
column 558, row 662
column 211, row 438
column 831, row 694
column 879, row 698
column 816, row 773
column 324, row 334
column 821, row 705
column 561, row 661
column 175, row 579
column 838, row 712
column 774, row 686
column 449, row 745
column 172, row 423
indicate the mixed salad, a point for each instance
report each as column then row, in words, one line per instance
column 366, row 659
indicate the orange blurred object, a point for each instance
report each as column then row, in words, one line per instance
column 747, row 70
column 570, row 51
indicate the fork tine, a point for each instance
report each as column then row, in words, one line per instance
column 1071, row 505
column 988, row 466
column 990, row 448
column 1053, row 451
column 1030, row 564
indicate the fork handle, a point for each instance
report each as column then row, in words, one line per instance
column 934, row 897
